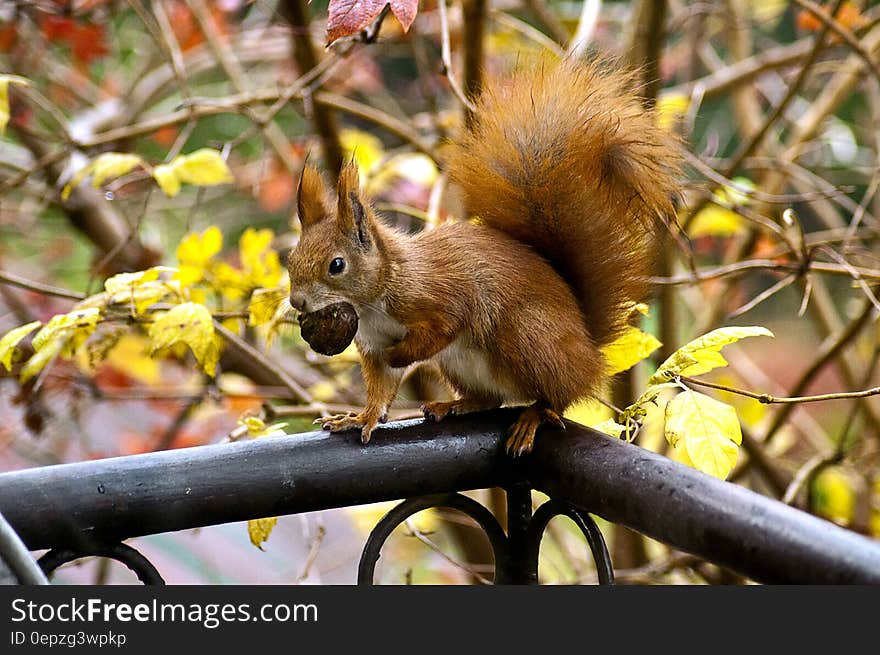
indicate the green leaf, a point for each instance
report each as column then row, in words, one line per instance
column 10, row 341
column 707, row 429
column 703, row 354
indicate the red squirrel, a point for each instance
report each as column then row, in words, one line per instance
column 565, row 173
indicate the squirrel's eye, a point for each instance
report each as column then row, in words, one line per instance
column 337, row 266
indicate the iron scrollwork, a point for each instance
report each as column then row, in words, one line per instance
column 133, row 559
column 516, row 552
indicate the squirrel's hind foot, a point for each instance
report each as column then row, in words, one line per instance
column 438, row 410
column 521, row 435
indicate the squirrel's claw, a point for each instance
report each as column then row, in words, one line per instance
column 349, row 421
column 437, row 411
column 521, row 436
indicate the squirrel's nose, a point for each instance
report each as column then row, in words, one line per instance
column 298, row 301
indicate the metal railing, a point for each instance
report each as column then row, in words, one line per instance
column 89, row 508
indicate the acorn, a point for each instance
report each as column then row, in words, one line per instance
column 330, row 329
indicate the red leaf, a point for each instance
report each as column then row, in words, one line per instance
column 348, row 17
column 405, row 11
column 87, row 43
column 849, row 16
column 8, row 37
column 277, row 190
column 56, row 28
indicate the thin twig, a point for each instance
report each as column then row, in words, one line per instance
column 261, row 359
column 446, row 59
column 418, row 534
column 39, row 287
column 767, row 399
column 314, row 549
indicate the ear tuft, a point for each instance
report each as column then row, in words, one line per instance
column 353, row 218
column 311, row 197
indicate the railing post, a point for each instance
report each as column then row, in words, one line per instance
column 518, row 569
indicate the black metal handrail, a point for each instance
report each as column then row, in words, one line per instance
column 86, row 506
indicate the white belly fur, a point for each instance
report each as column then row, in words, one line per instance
column 471, row 367
column 376, row 329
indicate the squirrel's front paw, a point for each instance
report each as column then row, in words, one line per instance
column 341, row 422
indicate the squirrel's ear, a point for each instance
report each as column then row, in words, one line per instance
column 352, row 216
column 311, row 198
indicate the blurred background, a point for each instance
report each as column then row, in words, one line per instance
column 778, row 104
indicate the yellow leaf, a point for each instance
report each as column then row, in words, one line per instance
column 11, row 339
column 61, row 327
column 703, row 354
column 265, row 304
column 195, row 253
column 366, row 148
column 588, row 412
column 40, row 359
column 640, row 407
column 90, row 357
column 260, row 529
column 261, row 264
column 62, row 335
column 84, row 323
column 365, row 517
column 707, row 429
column 131, row 354
column 123, row 282
column 102, row 168
column 112, row 164
column 833, row 495
column 204, row 167
column 142, row 289
column 874, row 518
column 5, row 81
column 323, row 391
column 256, row 427
column 628, row 349
column 671, row 107
column 716, row 221
column 231, row 281
column 198, row 248
column 611, row 427
column 166, row 177
column 750, row 412
column 767, row 11
column 191, row 324
column 412, row 166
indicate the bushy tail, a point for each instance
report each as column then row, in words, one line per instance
column 565, row 158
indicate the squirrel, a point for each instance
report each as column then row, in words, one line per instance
column 566, row 174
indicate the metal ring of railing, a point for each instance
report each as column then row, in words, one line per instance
column 550, row 510
column 123, row 553
column 401, row 512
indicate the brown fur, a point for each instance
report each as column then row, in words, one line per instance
column 566, row 172
column 565, row 158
